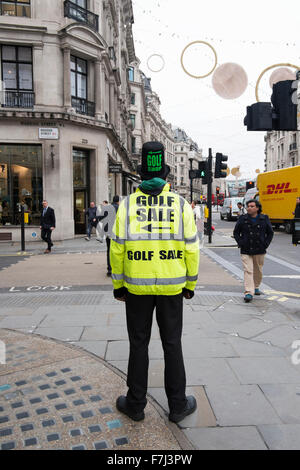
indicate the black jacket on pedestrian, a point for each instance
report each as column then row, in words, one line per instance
column 297, row 211
column 253, row 238
column 48, row 220
column 91, row 213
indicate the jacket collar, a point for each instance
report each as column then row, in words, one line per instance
column 163, row 189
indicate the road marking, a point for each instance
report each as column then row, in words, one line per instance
column 293, row 267
column 287, row 294
column 23, row 253
column 285, row 276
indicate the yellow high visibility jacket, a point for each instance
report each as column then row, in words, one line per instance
column 154, row 248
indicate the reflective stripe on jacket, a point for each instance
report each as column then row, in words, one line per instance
column 154, row 248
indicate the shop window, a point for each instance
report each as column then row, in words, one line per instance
column 21, row 183
column 15, row 8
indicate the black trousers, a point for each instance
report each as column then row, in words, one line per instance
column 139, row 313
column 46, row 236
column 108, row 254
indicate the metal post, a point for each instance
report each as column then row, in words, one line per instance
column 191, row 181
column 209, row 196
column 22, row 229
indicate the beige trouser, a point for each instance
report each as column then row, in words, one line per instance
column 253, row 272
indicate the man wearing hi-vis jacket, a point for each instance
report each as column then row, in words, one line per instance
column 155, row 260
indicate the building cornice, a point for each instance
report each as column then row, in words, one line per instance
column 34, row 118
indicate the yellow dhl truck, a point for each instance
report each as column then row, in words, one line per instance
column 278, row 191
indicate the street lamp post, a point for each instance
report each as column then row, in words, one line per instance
column 191, row 180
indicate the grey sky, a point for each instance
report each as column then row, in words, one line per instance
column 253, row 34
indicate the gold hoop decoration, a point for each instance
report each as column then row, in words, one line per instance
column 215, row 54
column 270, row 68
column 156, row 55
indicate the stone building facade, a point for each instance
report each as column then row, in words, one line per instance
column 186, row 152
column 282, row 150
column 64, row 109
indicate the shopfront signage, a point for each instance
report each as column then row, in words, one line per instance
column 115, row 168
column 50, row 133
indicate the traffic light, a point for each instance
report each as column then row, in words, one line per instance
column 259, row 117
column 281, row 117
column 285, row 109
column 250, row 185
column 201, row 173
column 220, row 169
column 204, row 170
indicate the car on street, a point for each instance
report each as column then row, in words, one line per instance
column 229, row 210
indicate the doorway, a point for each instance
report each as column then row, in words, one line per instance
column 81, row 189
column 80, row 204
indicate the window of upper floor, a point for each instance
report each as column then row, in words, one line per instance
column 78, row 11
column 17, row 77
column 15, row 8
column 131, row 74
column 79, row 87
column 132, row 98
column 132, row 118
column 16, row 67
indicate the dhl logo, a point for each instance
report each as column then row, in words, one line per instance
column 280, row 188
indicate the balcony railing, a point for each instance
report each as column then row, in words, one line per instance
column 81, row 15
column 83, row 106
column 293, row 146
column 17, row 99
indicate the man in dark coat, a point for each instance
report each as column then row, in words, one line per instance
column 91, row 214
column 47, row 225
column 253, row 233
column 296, row 224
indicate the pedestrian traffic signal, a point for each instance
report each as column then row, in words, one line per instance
column 285, row 107
column 221, row 168
column 204, row 170
column 201, row 173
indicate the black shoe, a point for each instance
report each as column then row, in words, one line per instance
column 190, row 407
column 108, row 274
column 122, row 406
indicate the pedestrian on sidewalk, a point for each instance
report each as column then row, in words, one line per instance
column 296, row 223
column 101, row 228
column 155, row 261
column 47, row 225
column 241, row 208
column 112, row 213
column 199, row 220
column 91, row 214
column 253, row 233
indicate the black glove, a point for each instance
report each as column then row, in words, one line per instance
column 119, row 293
column 188, row 294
